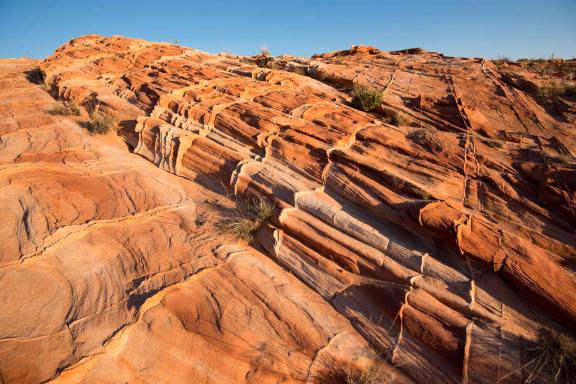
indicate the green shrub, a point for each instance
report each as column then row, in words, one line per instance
column 100, row 123
column 366, row 98
column 240, row 228
column 67, row 108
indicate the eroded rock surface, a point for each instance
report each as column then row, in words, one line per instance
column 442, row 242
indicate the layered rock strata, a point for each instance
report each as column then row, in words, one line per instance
column 443, row 242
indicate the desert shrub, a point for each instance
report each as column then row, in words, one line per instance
column 264, row 51
column 261, row 209
column 558, row 89
column 396, row 119
column 393, row 117
column 334, row 371
column 366, row 98
column 37, row 76
column 552, row 356
column 100, row 123
column 493, row 143
column 424, row 195
column 67, row 108
column 241, row 227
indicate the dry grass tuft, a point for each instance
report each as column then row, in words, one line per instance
column 552, row 359
column 557, row 89
column 395, row 119
column 100, row 123
column 261, row 209
column 334, row 371
column 553, row 355
column 66, row 109
column 243, row 228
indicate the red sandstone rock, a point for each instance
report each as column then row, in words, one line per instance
column 443, row 241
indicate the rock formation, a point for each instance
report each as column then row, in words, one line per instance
column 440, row 244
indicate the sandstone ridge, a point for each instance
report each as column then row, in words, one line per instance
column 442, row 243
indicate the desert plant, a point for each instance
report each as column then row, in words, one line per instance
column 241, row 227
column 493, row 143
column 335, row 371
column 37, row 76
column 264, row 51
column 366, row 98
column 261, row 209
column 100, row 122
column 67, row 108
column 557, row 89
column 396, row 119
column 393, row 117
column 552, row 356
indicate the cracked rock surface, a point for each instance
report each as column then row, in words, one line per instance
column 441, row 243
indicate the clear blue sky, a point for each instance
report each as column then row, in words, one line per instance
column 488, row 28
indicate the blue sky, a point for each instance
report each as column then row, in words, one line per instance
column 487, row 28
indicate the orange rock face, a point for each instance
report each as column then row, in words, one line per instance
column 439, row 244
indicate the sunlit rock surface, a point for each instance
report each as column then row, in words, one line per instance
column 440, row 243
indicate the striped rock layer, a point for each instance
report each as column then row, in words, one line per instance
column 441, row 244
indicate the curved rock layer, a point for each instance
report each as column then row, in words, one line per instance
column 110, row 269
column 443, row 242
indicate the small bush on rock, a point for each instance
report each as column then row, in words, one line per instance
column 393, row 117
column 243, row 228
column 366, row 98
column 557, row 89
column 37, row 76
column 67, row 108
column 334, row 371
column 100, row 123
column 551, row 357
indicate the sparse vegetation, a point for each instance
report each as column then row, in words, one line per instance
column 366, row 98
column 424, row 195
column 334, row 371
column 552, row 357
column 396, row 119
column 261, row 209
column 67, row 108
column 493, row 143
column 37, row 76
column 393, row 117
column 264, row 51
column 100, row 122
column 557, row 89
column 243, row 227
